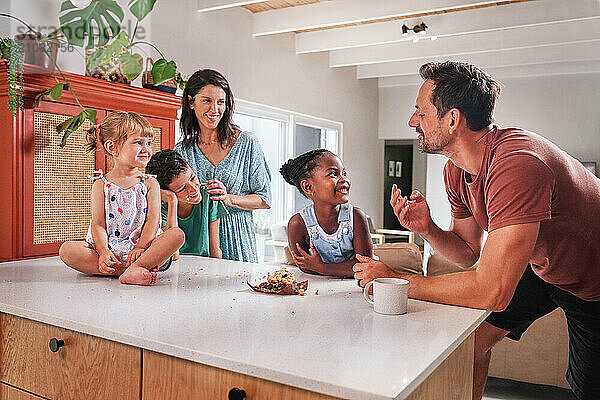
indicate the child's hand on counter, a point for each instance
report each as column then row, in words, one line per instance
column 310, row 260
column 107, row 261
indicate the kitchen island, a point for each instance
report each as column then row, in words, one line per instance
column 329, row 342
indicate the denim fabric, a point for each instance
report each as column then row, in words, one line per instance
column 336, row 247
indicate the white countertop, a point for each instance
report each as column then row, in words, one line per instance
column 202, row 310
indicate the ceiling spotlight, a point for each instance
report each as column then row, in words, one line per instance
column 434, row 38
column 405, row 30
column 421, row 28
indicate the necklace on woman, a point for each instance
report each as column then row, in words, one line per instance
column 202, row 142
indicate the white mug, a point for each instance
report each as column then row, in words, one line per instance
column 390, row 295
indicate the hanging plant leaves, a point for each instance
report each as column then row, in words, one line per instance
column 103, row 55
column 90, row 115
column 54, row 93
column 132, row 65
column 77, row 24
column 162, row 71
column 70, row 126
column 141, row 8
column 15, row 77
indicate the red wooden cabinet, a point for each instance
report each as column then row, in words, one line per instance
column 44, row 189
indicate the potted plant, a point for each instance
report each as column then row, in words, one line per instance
column 16, row 58
column 108, row 44
column 111, row 43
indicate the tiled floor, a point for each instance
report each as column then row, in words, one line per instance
column 504, row 389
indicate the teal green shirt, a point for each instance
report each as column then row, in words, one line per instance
column 195, row 225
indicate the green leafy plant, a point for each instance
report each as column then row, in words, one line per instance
column 5, row 45
column 78, row 28
column 77, row 24
column 107, row 15
column 15, row 81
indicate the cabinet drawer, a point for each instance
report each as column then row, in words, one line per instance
column 11, row 393
column 167, row 377
column 85, row 367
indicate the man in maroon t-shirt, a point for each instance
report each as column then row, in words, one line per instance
column 540, row 206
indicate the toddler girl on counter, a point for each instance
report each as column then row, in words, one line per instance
column 124, row 237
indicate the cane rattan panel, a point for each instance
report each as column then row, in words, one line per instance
column 156, row 140
column 62, row 190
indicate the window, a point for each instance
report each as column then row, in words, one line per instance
column 272, row 135
column 283, row 135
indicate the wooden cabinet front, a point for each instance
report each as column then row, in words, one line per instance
column 167, row 377
column 11, row 393
column 85, row 367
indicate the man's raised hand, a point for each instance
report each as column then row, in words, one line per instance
column 412, row 213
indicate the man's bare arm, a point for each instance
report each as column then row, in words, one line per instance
column 503, row 261
column 461, row 244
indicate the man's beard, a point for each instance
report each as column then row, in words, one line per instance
column 429, row 147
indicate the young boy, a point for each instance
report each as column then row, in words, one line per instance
column 185, row 203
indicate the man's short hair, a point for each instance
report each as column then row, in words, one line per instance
column 166, row 165
column 465, row 87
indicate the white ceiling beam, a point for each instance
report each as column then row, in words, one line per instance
column 581, row 52
column 516, row 38
column 337, row 12
column 515, row 71
column 213, row 5
column 449, row 24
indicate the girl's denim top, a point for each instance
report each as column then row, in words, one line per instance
column 334, row 248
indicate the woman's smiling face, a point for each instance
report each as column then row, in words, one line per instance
column 209, row 106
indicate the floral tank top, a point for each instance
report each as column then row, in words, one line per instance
column 125, row 211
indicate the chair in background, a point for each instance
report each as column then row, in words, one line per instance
column 279, row 241
column 379, row 236
column 403, row 258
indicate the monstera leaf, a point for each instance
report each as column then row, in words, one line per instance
column 163, row 70
column 141, row 8
column 78, row 24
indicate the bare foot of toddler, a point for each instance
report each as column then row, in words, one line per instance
column 137, row 276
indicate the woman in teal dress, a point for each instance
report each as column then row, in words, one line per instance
column 231, row 162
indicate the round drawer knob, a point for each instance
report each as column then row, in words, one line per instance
column 236, row 394
column 56, row 344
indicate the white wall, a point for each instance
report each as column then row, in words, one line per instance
column 563, row 109
column 267, row 70
column 396, row 105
